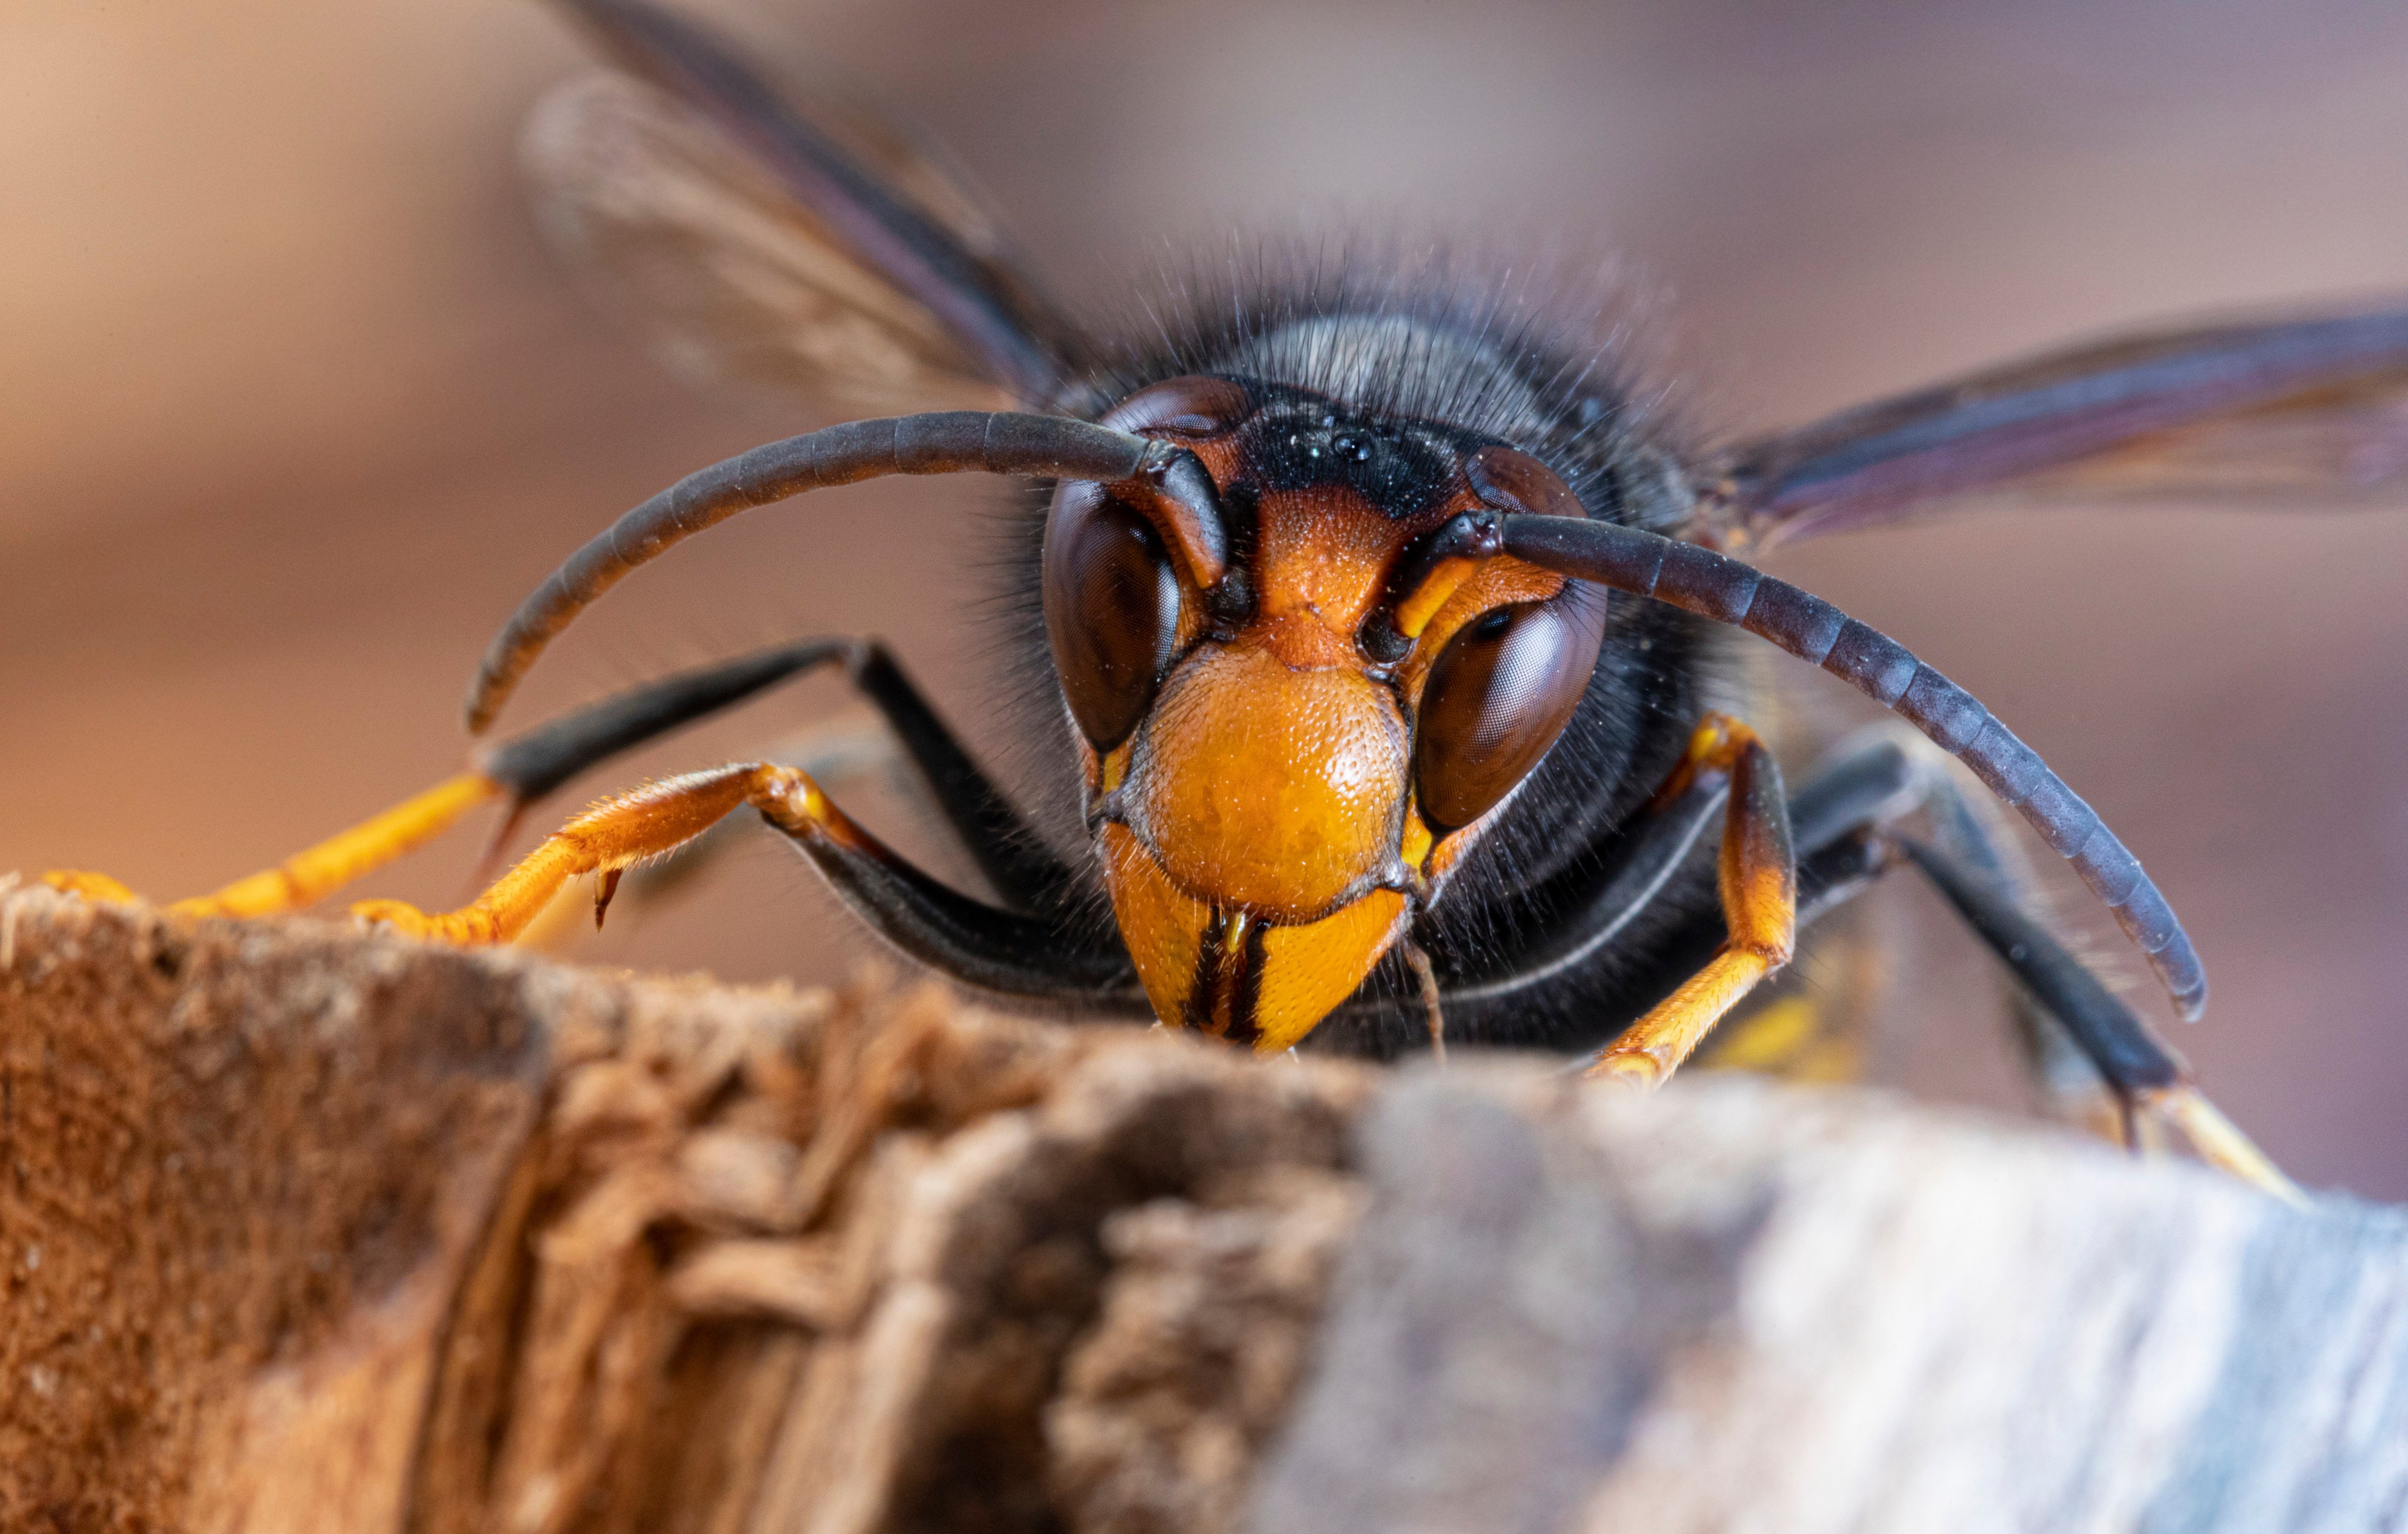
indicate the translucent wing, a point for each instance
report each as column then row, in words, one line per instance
column 2295, row 411
column 800, row 243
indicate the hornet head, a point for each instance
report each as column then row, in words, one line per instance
column 1303, row 680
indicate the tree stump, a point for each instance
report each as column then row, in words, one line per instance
column 306, row 1229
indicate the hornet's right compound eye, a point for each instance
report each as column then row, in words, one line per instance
column 1112, row 609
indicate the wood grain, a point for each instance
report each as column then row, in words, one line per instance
column 301, row 1229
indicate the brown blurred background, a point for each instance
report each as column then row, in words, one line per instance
column 295, row 407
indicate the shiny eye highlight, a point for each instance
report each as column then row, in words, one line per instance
column 1187, row 407
column 1498, row 696
column 1111, row 610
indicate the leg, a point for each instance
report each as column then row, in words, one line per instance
column 307, row 876
column 520, row 770
column 1895, row 776
column 1013, row 857
column 1969, row 830
column 1819, row 1026
column 1818, row 1023
column 976, row 943
column 2080, row 1037
column 1757, row 883
column 1008, row 852
column 2144, row 1075
column 526, row 769
column 1845, row 822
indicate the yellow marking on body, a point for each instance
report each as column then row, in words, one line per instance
column 1768, row 1038
column 1309, row 969
column 1789, row 1038
column 1413, row 614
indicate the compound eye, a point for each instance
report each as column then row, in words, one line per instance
column 1112, row 609
column 1499, row 694
column 1188, row 407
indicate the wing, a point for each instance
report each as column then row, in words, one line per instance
column 800, row 243
column 2305, row 411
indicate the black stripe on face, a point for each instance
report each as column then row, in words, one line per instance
column 1198, row 1014
column 1245, row 987
column 1227, row 987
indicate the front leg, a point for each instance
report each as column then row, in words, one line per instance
column 1757, row 879
column 523, row 770
column 975, row 943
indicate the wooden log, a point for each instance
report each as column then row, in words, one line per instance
column 1741, row 1307
column 301, row 1229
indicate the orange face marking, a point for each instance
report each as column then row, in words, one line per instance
column 1267, row 789
column 1276, row 790
column 1323, row 553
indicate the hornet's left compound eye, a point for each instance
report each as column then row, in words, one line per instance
column 1112, row 609
column 1502, row 691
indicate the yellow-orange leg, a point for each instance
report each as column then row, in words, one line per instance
column 2216, row 1140
column 310, row 876
column 981, row 945
column 1758, row 882
column 653, row 819
column 528, row 767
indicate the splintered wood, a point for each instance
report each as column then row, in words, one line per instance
column 301, row 1229
column 305, row 1231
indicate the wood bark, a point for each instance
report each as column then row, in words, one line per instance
column 302, row 1229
